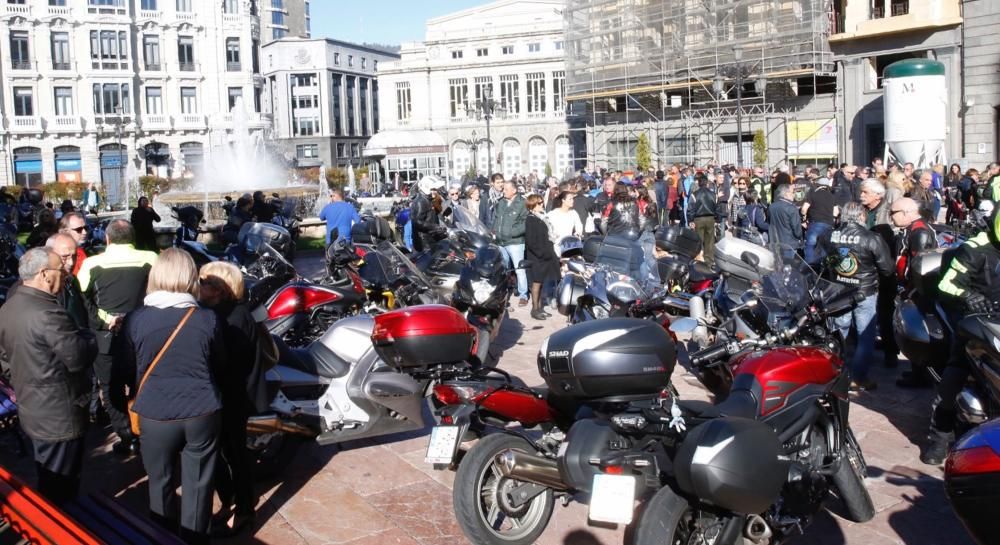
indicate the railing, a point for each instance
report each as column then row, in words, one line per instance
column 150, row 14
column 233, row 67
column 231, row 18
column 156, row 121
column 66, row 123
column 186, row 16
column 192, row 119
column 25, row 124
column 65, row 11
column 900, row 8
column 186, row 67
column 153, row 67
column 62, row 66
column 18, row 9
column 878, row 12
column 536, row 115
column 18, row 64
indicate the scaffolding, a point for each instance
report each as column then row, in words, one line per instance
column 671, row 66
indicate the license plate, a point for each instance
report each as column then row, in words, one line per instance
column 612, row 498
column 441, row 447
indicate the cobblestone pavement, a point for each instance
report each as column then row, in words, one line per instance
column 381, row 492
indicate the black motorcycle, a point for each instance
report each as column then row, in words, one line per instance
column 390, row 279
column 482, row 293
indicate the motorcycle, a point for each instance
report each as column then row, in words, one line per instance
column 920, row 325
column 482, row 293
column 971, row 478
column 391, row 280
column 284, row 216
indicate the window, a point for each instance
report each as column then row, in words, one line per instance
column 534, row 48
column 336, row 59
column 483, row 85
column 231, row 6
column 507, row 50
column 456, row 54
column 304, row 102
column 234, row 93
column 24, row 104
column 154, row 100
column 185, row 53
column 19, row 51
column 189, row 100
column 337, row 114
column 510, row 94
column 306, row 126
column 351, row 101
column 60, row 51
column 363, row 105
column 536, row 93
column 148, row 5
column 558, row 91
column 184, row 6
column 108, row 49
column 307, row 151
column 341, row 150
column 57, row 2
column 63, row 100
column 355, row 149
column 278, row 4
column 111, row 99
column 375, row 66
column 483, row 52
column 350, row 60
column 233, row 55
column 117, row 3
column 459, row 96
column 277, row 18
column 278, row 33
column 151, row 52
column 303, row 80
column 404, row 105
column 364, row 63
column 559, row 45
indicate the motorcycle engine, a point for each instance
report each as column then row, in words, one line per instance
column 804, row 492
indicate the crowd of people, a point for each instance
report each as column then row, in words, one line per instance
column 173, row 352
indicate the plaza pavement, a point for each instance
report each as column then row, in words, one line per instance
column 380, row 492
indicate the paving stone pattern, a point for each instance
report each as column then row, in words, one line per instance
column 381, row 492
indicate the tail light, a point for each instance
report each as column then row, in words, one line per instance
column 614, row 470
column 972, row 461
column 295, row 299
column 701, row 285
column 360, row 252
column 359, row 287
column 453, row 394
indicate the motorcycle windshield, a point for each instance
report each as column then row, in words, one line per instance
column 462, row 218
column 793, row 285
column 395, row 266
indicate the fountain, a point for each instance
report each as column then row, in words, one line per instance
column 242, row 165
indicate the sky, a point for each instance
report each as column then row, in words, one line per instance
column 388, row 22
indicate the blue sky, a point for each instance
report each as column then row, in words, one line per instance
column 379, row 21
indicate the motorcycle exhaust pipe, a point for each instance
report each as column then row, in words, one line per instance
column 274, row 424
column 522, row 466
column 756, row 529
column 696, row 310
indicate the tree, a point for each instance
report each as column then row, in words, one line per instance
column 643, row 154
column 336, row 178
column 548, row 170
column 759, row 148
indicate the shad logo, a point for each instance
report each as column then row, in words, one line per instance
column 559, row 354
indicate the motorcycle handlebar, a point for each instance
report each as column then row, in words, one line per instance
column 712, row 353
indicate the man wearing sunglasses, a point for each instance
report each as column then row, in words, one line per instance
column 48, row 357
column 74, row 225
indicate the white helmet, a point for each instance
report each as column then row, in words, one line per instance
column 429, row 182
column 985, row 207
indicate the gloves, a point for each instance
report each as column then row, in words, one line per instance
column 976, row 303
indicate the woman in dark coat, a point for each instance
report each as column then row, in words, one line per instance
column 543, row 263
column 143, row 217
column 179, row 405
column 623, row 215
column 222, row 290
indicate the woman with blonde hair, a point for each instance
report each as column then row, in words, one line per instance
column 895, row 187
column 171, row 353
column 222, row 290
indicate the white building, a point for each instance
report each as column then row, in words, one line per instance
column 90, row 86
column 324, row 97
column 511, row 48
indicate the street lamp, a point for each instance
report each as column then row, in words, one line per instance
column 738, row 56
column 486, row 108
column 475, row 151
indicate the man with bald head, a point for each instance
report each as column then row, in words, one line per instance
column 917, row 237
column 70, row 297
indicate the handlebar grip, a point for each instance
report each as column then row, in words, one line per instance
column 709, row 354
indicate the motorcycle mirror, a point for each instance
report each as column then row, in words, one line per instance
column 684, row 325
column 576, row 266
column 446, row 212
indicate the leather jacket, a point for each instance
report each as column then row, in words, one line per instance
column 625, row 220
column 864, row 256
column 917, row 238
column 424, row 220
column 703, row 203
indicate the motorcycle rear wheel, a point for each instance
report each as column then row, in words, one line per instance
column 849, row 480
column 668, row 519
column 478, row 509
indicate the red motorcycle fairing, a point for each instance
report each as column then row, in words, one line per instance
column 525, row 407
column 783, row 371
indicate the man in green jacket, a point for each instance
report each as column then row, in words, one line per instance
column 508, row 225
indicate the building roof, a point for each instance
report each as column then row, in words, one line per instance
column 398, row 142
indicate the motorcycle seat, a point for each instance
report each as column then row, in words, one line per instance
column 740, row 403
column 316, row 359
column 700, row 271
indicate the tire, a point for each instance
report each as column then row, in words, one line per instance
column 666, row 519
column 475, row 497
column 849, row 480
column 277, row 454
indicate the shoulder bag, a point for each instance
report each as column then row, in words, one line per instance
column 133, row 416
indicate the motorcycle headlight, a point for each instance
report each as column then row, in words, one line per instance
column 481, row 291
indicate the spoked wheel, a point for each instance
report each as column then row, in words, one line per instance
column 482, row 497
column 669, row 519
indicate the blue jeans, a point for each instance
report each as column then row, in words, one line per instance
column 863, row 319
column 815, row 232
column 515, row 255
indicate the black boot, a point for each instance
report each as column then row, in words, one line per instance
column 936, row 449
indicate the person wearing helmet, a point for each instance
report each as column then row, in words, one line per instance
column 917, row 237
column 422, row 214
column 970, row 285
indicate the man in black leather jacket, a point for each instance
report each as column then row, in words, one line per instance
column 425, row 220
column 786, row 222
column 863, row 258
column 970, row 285
column 703, row 209
column 917, row 237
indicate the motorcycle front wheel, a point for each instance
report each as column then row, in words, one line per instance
column 480, row 497
column 850, row 482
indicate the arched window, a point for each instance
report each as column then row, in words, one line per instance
column 511, row 157
column 68, row 167
column 28, row 166
column 538, row 155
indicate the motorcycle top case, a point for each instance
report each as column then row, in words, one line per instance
column 680, row 240
column 422, row 336
column 732, row 463
column 729, row 258
column 371, row 231
column 616, row 359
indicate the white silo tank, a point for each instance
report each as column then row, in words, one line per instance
column 916, row 106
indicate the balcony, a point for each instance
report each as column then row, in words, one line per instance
column 191, row 121
column 25, row 124
column 65, row 123
column 156, row 122
column 186, row 16
column 62, row 66
column 19, row 9
column 187, row 66
column 60, row 11
column 152, row 67
column 21, row 64
column 883, row 17
column 233, row 67
column 232, row 19
column 150, row 14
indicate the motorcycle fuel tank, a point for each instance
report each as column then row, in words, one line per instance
column 616, row 359
column 784, row 370
column 423, row 335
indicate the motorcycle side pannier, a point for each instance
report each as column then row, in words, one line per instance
column 679, row 240
column 616, row 359
column 569, row 291
column 743, row 474
column 423, row 335
column 371, row 231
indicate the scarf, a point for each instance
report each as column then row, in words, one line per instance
column 169, row 299
column 495, row 196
